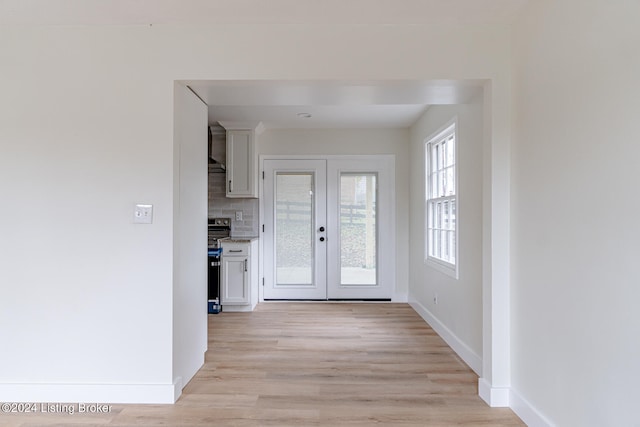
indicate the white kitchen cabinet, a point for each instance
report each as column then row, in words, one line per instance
column 239, row 271
column 242, row 163
column 235, row 280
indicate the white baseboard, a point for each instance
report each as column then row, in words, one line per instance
column 496, row 397
column 527, row 412
column 177, row 388
column 469, row 356
column 237, row 308
column 90, row 393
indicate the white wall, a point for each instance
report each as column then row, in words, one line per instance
column 86, row 132
column 458, row 314
column 357, row 141
column 190, row 236
column 576, row 236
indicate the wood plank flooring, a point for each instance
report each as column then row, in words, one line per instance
column 315, row 364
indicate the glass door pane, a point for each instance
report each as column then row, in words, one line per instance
column 358, row 229
column 294, row 228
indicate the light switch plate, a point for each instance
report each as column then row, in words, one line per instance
column 143, row 214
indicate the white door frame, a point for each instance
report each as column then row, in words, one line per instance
column 388, row 251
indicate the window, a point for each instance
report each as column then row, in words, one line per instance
column 441, row 202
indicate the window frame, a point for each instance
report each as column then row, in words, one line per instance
column 447, row 266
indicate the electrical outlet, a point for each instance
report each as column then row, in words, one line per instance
column 238, row 215
column 143, row 214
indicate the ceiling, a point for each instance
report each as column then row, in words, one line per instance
column 330, row 104
column 211, row 12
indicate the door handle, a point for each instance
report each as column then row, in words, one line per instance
column 322, row 239
column 229, row 186
column 321, row 229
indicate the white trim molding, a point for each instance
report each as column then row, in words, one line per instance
column 496, row 321
column 496, row 397
column 526, row 411
column 463, row 350
column 98, row 393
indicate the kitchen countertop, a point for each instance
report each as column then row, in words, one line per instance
column 242, row 239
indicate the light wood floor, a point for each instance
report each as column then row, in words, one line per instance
column 306, row 364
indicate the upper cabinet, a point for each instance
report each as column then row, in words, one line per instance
column 242, row 159
column 241, row 164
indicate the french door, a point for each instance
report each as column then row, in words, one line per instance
column 328, row 228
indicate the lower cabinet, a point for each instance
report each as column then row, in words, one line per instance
column 239, row 271
column 235, row 280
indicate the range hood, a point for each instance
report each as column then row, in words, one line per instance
column 217, row 148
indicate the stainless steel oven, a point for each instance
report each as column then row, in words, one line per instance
column 219, row 228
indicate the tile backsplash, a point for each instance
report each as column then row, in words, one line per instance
column 221, row 206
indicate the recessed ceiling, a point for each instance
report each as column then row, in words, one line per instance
column 321, row 116
column 331, row 104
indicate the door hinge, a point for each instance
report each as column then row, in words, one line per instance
column 263, row 281
column 262, row 174
column 263, row 228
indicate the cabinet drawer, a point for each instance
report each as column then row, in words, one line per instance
column 235, row 249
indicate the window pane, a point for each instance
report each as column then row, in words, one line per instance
column 358, row 248
column 451, row 184
column 445, row 215
column 445, row 245
column 453, row 214
column 451, row 156
column 434, row 184
column 431, row 242
column 294, row 229
column 434, row 158
column 446, row 150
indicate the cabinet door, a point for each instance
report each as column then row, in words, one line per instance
column 235, row 281
column 241, row 164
